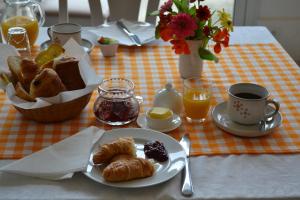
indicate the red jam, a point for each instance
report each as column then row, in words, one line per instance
column 116, row 111
column 156, row 150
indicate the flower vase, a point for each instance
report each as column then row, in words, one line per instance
column 190, row 65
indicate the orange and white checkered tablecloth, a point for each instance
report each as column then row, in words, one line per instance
column 150, row 67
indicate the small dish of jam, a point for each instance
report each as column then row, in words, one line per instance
column 156, row 150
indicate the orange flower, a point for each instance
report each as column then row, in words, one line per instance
column 180, row 46
column 222, row 37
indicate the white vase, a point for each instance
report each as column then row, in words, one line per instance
column 190, row 65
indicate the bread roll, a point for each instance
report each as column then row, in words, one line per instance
column 68, row 70
column 126, row 169
column 106, row 152
column 22, row 93
column 46, row 84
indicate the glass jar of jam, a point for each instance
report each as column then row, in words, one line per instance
column 116, row 103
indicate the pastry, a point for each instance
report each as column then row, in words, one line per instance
column 126, row 169
column 14, row 64
column 23, row 70
column 22, row 93
column 122, row 157
column 29, row 70
column 68, row 70
column 106, row 152
column 45, row 56
column 48, row 65
column 46, row 84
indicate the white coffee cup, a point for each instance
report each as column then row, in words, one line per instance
column 247, row 103
column 61, row 33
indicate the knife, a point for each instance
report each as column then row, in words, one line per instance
column 187, row 186
column 131, row 35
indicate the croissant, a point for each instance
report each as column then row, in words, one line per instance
column 128, row 168
column 123, row 145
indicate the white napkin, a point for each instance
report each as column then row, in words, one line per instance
column 60, row 160
column 145, row 32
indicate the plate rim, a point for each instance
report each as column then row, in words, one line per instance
column 142, row 116
column 116, row 185
column 83, row 39
column 243, row 133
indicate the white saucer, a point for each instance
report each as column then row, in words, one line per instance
column 222, row 120
column 86, row 45
column 142, row 122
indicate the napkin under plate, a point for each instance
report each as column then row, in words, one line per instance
column 60, row 160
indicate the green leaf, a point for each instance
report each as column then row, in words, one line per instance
column 185, row 5
column 207, row 55
column 154, row 13
column 192, row 11
column 199, row 35
column 178, row 5
column 157, row 35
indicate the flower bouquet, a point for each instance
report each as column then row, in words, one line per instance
column 190, row 20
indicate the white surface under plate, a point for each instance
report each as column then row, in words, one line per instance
column 163, row 171
column 142, row 122
column 222, row 120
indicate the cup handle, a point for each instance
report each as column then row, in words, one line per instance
column 276, row 104
column 49, row 32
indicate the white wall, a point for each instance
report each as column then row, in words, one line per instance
column 282, row 17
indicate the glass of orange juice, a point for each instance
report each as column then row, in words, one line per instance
column 196, row 98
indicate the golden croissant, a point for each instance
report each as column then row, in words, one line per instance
column 123, row 145
column 127, row 168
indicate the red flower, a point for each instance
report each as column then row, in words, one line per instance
column 166, row 6
column 165, row 19
column 183, row 25
column 180, row 47
column 203, row 13
column 166, row 33
column 206, row 31
column 222, row 37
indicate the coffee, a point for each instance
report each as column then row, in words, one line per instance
column 245, row 95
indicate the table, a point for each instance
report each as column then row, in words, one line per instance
column 215, row 177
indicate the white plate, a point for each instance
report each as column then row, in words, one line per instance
column 142, row 122
column 145, row 32
column 86, row 45
column 164, row 171
column 222, row 120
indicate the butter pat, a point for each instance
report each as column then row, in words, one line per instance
column 159, row 118
column 160, row 113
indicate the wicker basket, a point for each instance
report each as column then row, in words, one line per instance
column 56, row 112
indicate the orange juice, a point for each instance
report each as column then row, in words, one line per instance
column 196, row 103
column 31, row 26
